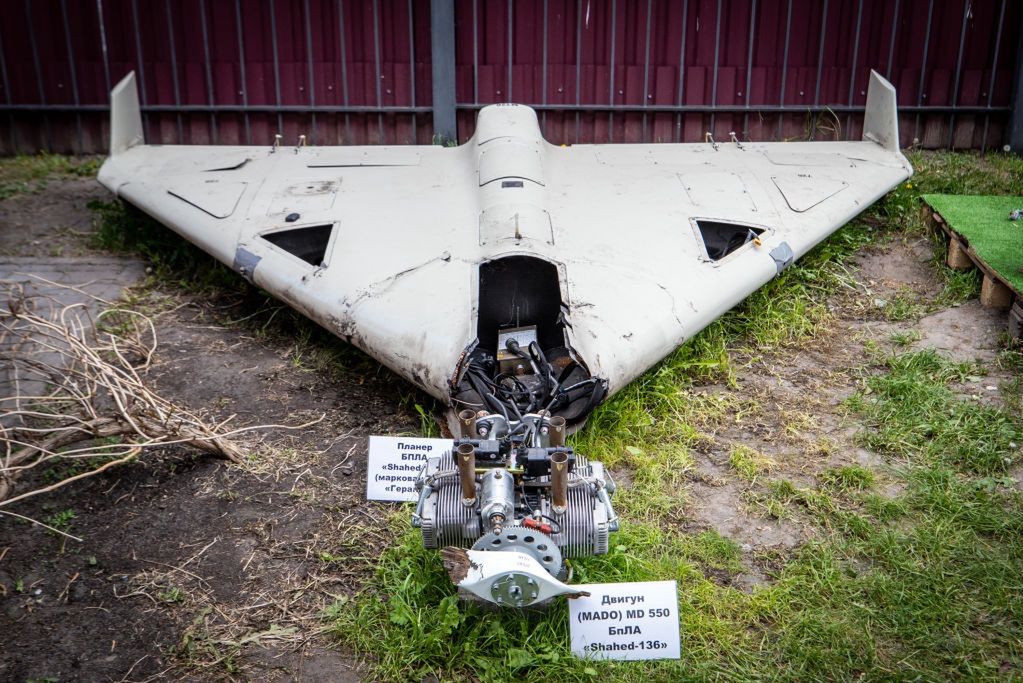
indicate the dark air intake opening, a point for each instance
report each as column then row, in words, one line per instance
column 308, row 243
column 517, row 291
column 721, row 239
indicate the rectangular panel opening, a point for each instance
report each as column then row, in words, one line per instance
column 309, row 243
column 721, row 239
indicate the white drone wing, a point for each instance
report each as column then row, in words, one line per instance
column 610, row 256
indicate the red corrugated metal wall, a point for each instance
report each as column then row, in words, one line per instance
column 235, row 71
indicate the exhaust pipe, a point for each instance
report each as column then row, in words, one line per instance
column 466, row 459
column 559, row 482
column 557, row 431
column 467, row 423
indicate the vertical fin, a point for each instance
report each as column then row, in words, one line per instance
column 881, row 121
column 125, row 116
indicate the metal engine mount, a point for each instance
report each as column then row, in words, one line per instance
column 509, row 504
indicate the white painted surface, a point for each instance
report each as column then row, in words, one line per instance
column 414, row 224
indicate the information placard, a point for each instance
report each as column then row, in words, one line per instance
column 394, row 463
column 626, row 621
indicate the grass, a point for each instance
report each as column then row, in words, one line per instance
column 928, row 584
column 984, row 222
column 922, row 583
column 848, row 478
column 748, row 462
column 26, row 174
column 913, row 410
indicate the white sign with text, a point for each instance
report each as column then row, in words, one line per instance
column 394, row 464
column 626, row 621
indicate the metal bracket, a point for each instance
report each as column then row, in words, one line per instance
column 245, row 262
column 783, row 256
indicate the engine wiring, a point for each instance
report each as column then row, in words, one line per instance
column 513, row 396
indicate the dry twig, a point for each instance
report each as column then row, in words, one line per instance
column 74, row 393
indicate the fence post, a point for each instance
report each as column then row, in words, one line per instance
column 442, row 39
column 1015, row 136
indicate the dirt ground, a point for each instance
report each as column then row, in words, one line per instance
column 194, row 569
column 190, row 568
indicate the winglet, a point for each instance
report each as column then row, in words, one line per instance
column 881, row 122
column 125, row 116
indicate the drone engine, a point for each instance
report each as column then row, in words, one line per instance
column 518, row 503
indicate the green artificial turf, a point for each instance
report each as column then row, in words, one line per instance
column 984, row 222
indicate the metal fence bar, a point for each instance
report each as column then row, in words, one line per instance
column 376, row 68
column 785, row 65
column 343, row 46
column 1015, row 132
column 681, row 72
column 244, row 92
column 38, row 70
column 923, row 69
column 820, row 55
column 959, row 70
column 277, row 64
column 3, row 71
column 749, row 67
column 994, row 70
column 543, row 95
column 72, row 66
column 611, row 89
column 174, row 68
column 412, row 68
column 310, row 76
column 7, row 93
column 442, row 28
column 141, row 63
column 578, row 59
column 891, row 41
column 475, row 52
column 103, row 44
column 714, row 82
column 511, row 49
column 208, row 69
column 646, row 64
column 855, row 63
column 820, row 67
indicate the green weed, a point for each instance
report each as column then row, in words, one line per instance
column 28, row 173
column 911, row 411
column 61, row 520
column 905, row 338
column 172, row 596
column 848, row 478
column 749, row 463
